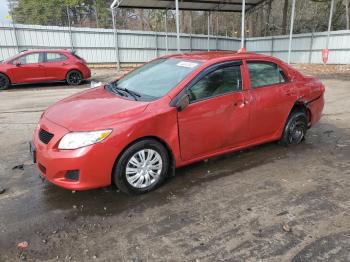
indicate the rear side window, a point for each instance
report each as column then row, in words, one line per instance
column 265, row 74
column 218, row 82
column 55, row 57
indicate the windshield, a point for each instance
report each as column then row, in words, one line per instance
column 155, row 79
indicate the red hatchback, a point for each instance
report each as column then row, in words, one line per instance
column 171, row 112
column 37, row 66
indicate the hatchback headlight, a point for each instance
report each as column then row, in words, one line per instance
column 76, row 140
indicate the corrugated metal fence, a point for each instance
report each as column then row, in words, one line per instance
column 97, row 45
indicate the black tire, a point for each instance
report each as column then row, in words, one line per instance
column 4, row 82
column 74, row 78
column 120, row 175
column 295, row 128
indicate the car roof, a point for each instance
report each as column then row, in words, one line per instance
column 213, row 55
column 45, row 50
column 23, row 52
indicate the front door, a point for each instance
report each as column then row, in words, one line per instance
column 30, row 69
column 218, row 116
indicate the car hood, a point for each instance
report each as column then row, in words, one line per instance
column 93, row 109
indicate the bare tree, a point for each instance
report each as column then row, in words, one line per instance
column 346, row 3
column 284, row 17
column 269, row 9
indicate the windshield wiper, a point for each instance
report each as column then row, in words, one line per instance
column 134, row 94
column 115, row 88
column 111, row 88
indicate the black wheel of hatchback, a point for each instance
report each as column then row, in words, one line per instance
column 295, row 128
column 74, row 78
column 4, row 82
column 142, row 167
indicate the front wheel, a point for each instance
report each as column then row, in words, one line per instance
column 142, row 167
column 74, row 78
column 295, row 129
column 4, row 82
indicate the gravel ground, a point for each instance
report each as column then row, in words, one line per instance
column 267, row 203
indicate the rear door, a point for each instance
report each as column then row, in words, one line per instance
column 217, row 117
column 29, row 70
column 271, row 100
column 56, row 65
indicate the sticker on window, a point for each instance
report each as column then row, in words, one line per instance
column 187, row 64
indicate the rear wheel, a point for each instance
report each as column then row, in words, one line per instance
column 295, row 129
column 4, row 82
column 142, row 167
column 74, row 77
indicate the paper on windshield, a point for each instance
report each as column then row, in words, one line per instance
column 187, row 64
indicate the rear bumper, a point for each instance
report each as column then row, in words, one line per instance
column 86, row 73
column 316, row 107
column 93, row 163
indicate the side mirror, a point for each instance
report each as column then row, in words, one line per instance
column 18, row 63
column 182, row 103
column 95, row 84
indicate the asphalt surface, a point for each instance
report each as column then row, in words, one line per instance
column 267, row 203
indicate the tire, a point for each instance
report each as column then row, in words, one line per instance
column 74, row 78
column 295, row 128
column 4, row 82
column 134, row 176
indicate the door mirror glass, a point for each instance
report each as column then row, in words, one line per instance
column 182, row 103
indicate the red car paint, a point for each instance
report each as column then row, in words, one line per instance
column 43, row 71
column 211, row 127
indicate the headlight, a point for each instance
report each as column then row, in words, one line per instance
column 76, row 140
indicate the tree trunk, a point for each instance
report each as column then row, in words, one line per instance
column 284, row 18
column 346, row 2
column 268, row 22
column 251, row 25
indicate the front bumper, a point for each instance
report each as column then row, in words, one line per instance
column 94, row 163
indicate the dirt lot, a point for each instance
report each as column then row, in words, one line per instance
column 228, row 208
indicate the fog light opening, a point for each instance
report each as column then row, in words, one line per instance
column 72, row 175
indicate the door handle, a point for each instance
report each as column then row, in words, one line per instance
column 240, row 103
column 64, row 64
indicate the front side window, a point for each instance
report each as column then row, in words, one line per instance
column 218, row 82
column 265, row 74
column 33, row 58
column 55, row 57
column 155, row 79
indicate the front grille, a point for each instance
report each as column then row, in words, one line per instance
column 45, row 136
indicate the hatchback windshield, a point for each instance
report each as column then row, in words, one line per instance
column 155, row 79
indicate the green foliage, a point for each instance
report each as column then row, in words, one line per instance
column 265, row 19
column 55, row 12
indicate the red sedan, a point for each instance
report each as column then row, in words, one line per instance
column 37, row 66
column 171, row 112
